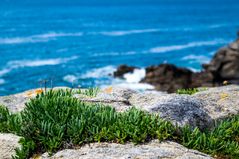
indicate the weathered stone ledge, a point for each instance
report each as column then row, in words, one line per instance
column 200, row 109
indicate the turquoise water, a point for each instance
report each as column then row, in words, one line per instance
column 82, row 43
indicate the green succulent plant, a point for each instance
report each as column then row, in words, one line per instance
column 55, row 120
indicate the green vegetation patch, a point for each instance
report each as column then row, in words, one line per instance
column 55, row 120
column 190, row 91
column 91, row 92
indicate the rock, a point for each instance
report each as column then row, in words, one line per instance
column 168, row 77
column 225, row 64
column 181, row 110
column 16, row 102
column 114, row 96
column 234, row 46
column 8, row 144
column 220, row 102
column 123, row 69
column 202, row 79
column 151, row 150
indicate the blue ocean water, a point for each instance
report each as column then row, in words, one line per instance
column 82, row 43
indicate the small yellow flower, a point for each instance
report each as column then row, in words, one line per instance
column 109, row 90
column 225, row 82
column 38, row 91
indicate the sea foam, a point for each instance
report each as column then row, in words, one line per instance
column 136, row 76
column 128, row 32
column 37, row 63
column 163, row 49
column 99, row 72
column 37, row 38
column 11, row 65
column 198, row 58
column 132, row 80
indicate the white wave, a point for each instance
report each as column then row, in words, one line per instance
column 136, row 76
column 213, row 26
column 128, row 32
column 115, row 53
column 197, row 58
column 37, row 63
column 99, row 72
column 37, row 38
column 70, row 78
column 132, row 80
column 5, row 71
column 2, row 81
column 53, row 35
column 163, row 49
column 135, row 86
column 11, row 65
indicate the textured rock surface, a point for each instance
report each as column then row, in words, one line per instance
column 220, row 102
column 115, row 97
column 152, row 150
column 196, row 110
column 180, row 109
column 16, row 102
column 8, row 144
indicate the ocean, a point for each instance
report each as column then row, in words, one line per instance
column 81, row 44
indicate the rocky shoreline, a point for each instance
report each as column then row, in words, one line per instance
column 201, row 109
column 224, row 67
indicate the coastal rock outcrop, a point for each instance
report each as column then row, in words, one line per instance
column 151, row 150
column 8, row 144
column 225, row 64
column 168, row 77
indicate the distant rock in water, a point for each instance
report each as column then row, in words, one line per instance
column 123, row 69
column 224, row 66
column 168, row 77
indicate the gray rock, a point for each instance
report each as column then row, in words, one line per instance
column 151, row 150
column 116, row 97
column 8, row 144
column 180, row 109
column 16, row 102
column 220, row 102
